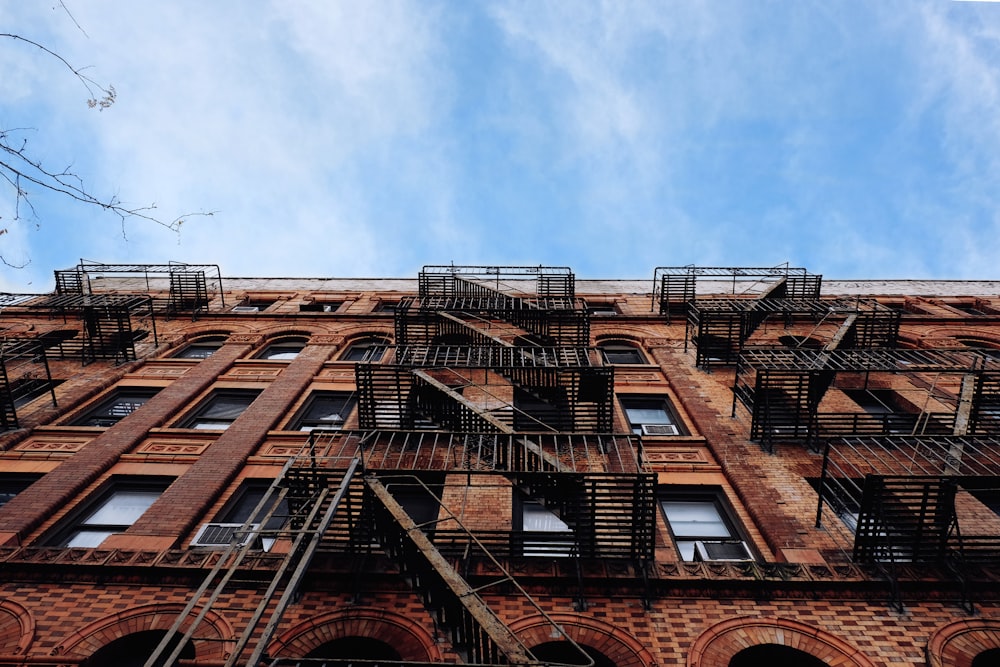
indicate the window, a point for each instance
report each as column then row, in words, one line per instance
column 123, row 402
column 320, row 307
column 253, row 494
column 11, row 485
column 324, row 409
column 650, row 415
column 602, row 310
column 702, row 527
column 283, row 350
column 543, row 533
column 386, row 307
column 621, row 353
column 201, row 349
column 370, row 350
column 220, row 410
column 112, row 511
column 252, row 306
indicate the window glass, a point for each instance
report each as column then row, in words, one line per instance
column 702, row 518
column 282, row 351
column 201, row 349
column 124, row 402
column 651, row 412
column 536, row 520
column 221, row 410
column 326, row 410
column 11, row 485
column 118, row 509
column 621, row 353
column 365, row 351
column 250, row 496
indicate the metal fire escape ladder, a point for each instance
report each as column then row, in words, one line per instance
column 545, row 459
column 476, row 632
column 318, row 512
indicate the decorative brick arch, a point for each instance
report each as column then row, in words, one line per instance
column 947, row 337
column 957, row 644
column 17, row 628
column 717, row 645
column 620, row 647
column 364, row 331
column 406, row 636
column 88, row 640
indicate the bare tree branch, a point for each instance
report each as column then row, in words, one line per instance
column 22, row 172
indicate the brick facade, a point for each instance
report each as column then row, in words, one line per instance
column 610, row 577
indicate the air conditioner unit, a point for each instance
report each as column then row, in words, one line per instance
column 221, row 535
column 723, row 550
column 659, row 429
column 246, row 309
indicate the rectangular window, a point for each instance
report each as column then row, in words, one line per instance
column 650, row 415
column 253, row 499
column 366, row 351
column 112, row 511
column 220, row 410
column 543, row 533
column 123, row 402
column 320, row 307
column 702, row 527
column 325, row 410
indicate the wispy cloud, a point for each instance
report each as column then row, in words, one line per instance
column 367, row 139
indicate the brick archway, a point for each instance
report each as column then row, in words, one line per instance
column 718, row 644
column 407, row 637
column 620, row 647
column 17, row 629
column 214, row 629
column 957, row 644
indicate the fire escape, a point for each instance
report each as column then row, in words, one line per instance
column 490, row 390
column 914, row 488
column 720, row 327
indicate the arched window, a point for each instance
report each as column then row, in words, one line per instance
column 620, row 352
column 133, row 650
column 987, row 658
column 201, row 348
column 356, row 648
column 774, row 655
column 563, row 652
column 285, row 349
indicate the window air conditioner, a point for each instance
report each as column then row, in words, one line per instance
column 730, row 550
column 246, row 309
column 220, row 535
column 659, row 429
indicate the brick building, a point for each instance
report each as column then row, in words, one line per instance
column 499, row 465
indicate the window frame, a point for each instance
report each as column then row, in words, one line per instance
column 664, row 404
column 103, row 410
column 210, row 344
column 621, row 348
column 365, row 349
column 284, row 349
column 11, row 484
column 552, row 541
column 688, row 545
column 304, row 423
column 197, row 419
column 80, row 519
column 238, row 511
column 320, row 306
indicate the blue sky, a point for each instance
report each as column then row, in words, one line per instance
column 858, row 139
